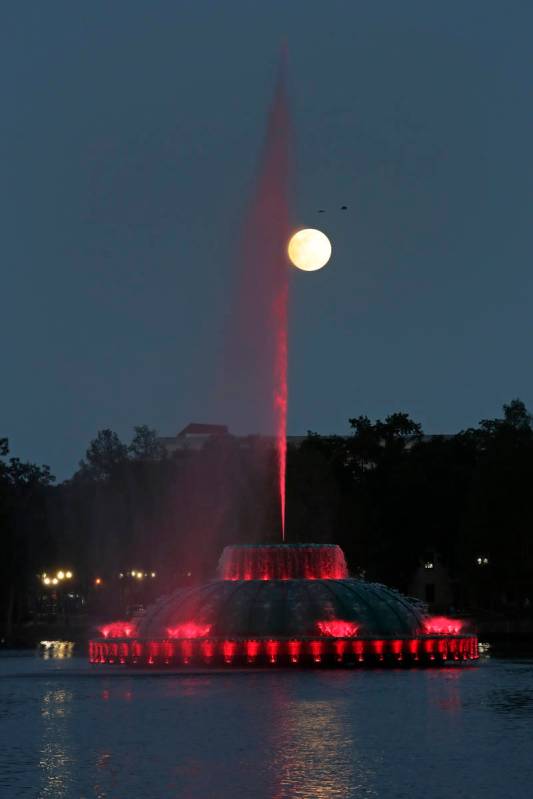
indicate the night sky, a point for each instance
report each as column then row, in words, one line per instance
column 129, row 142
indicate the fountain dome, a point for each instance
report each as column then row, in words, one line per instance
column 284, row 604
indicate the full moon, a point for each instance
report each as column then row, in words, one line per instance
column 309, row 249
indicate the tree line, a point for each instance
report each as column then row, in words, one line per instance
column 388, row 494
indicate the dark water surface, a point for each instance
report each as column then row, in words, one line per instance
column 68, row 731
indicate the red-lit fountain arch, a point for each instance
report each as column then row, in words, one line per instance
column 284, row 605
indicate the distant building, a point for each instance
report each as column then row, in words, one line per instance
column 431, row 583
column 196, row 435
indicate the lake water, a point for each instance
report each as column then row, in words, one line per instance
column 69, row 731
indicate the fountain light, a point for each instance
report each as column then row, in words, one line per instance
column 189, row 630
column 338, row 629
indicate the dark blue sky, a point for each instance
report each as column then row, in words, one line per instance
column 129, row 138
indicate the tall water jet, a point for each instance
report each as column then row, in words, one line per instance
column 273, row 191
column 260, row 346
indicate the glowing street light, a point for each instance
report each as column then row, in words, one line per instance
column 98, row 581
column 68, row 575
column 61, row 575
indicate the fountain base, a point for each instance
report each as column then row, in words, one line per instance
column 421, row 651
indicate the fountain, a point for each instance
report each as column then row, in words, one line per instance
column 284, row 604
column 280, row 604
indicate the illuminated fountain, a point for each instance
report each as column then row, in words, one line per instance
column 284, row 605
column 280, row 604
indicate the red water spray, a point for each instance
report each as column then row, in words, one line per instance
column 265, row 283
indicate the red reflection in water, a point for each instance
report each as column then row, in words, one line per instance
column 338, row 629
column 441, row 625
column 118, row 629
column 189, row 630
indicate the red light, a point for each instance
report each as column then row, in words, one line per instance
column 295, row 648
column 340, row 648
column 252, row 650
column 429, row 647
column 358, row 648
column 272, row 648
column 338, row 629
column 208, row 649
column 440, row 625
column 189, row 630
column 119, row 629
column 228, row 650
column 414, row 645
column 396, row 647
column 316, row 651
column 378, row 648
column 186, row 651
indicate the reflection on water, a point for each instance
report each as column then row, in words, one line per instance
column 56, row 649
column 318, row 756
column 69, row 732
column 55, row 757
